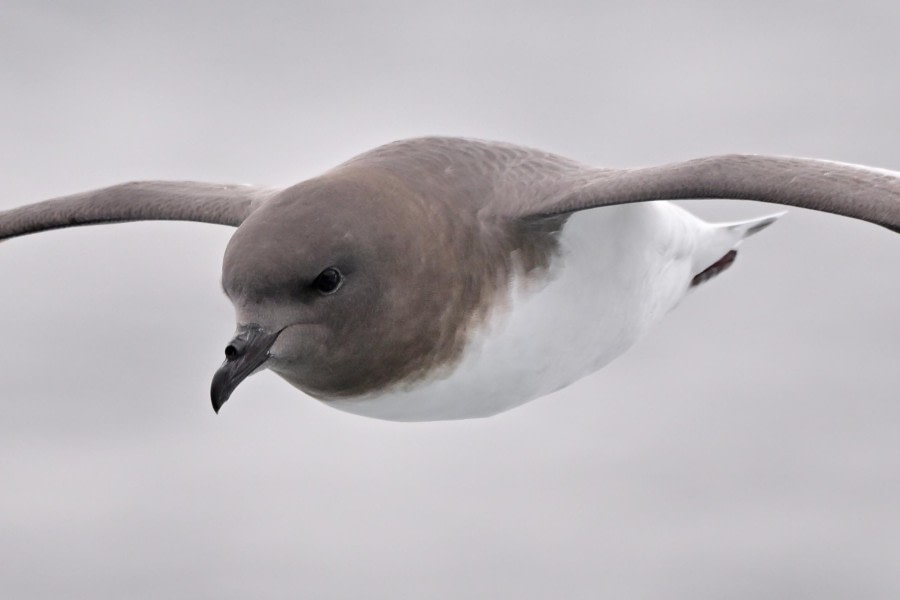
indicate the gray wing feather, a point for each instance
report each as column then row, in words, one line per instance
column 859, row 192
column 518, row 182
column 506, row 180
column 138, row 201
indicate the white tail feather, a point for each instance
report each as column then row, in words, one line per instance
column 724, row 237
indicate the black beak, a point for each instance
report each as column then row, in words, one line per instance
column 243, row 356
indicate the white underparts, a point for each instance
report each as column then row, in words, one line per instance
column 619, row 270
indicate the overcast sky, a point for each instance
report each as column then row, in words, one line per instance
column 748, row 448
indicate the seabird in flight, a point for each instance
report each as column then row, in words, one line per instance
column 446, row 278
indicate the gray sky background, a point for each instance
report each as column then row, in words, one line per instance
column 749, row 447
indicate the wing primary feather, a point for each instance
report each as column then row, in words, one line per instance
column 138, row 201
column 859, row 192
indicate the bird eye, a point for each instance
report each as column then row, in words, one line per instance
column 328, row 281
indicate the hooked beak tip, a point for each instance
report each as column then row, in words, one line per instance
column 219, row 392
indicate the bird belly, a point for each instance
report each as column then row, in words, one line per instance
column 618, row 270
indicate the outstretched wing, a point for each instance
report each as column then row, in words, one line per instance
column 850, row 190
column 519, row 182
column 138, row 201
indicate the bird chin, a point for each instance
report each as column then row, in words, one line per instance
column 291, row 373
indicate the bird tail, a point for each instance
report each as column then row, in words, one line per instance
column 744, row 229
column 720, row 249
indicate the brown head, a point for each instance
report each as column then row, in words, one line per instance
column 354, row 281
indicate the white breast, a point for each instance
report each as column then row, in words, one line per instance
column 620, row 269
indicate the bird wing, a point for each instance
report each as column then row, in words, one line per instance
column 138, row 201
column 854, row 191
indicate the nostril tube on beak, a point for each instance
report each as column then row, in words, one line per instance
column 246, row 353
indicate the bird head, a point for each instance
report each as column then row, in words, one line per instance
column 341, row 286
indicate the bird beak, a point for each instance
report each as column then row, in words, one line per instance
column 243, row 356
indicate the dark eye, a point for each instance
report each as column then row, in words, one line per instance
column 328, row 281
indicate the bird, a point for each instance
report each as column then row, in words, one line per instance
column 441, row 278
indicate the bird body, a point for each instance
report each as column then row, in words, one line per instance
column 445, row 278
column 615, row 273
